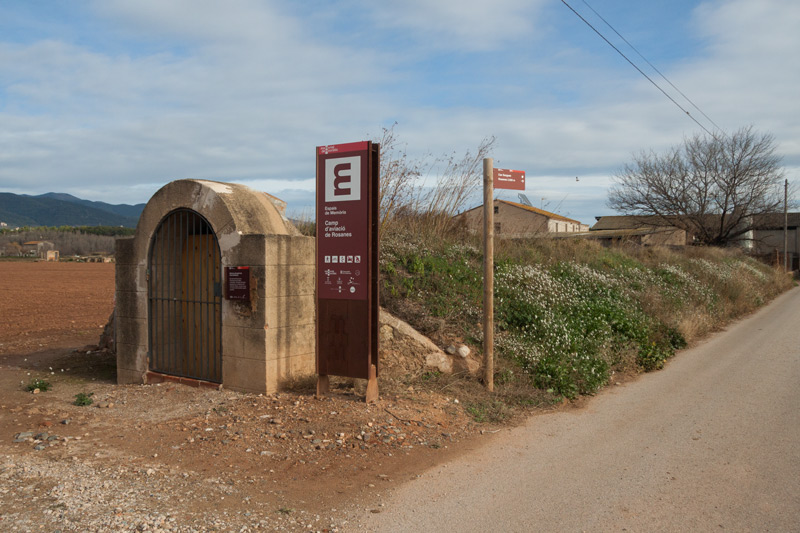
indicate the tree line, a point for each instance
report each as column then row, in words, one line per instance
column 68, row 240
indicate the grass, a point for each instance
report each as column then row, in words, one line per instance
column 568, row 313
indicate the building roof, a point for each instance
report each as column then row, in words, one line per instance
column 541, row 212
column 618, row 222
column 532, row 209
column 776, row 220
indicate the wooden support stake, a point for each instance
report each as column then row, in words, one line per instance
column 488, row 273
column 323, row 385
column 372, row 385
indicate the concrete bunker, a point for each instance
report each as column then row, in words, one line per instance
column 178, row 315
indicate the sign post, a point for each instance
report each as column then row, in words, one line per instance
column 347, row 264
column 488, row 273
column 502, row 179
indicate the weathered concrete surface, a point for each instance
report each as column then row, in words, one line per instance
column 266, row 340
column 711, row 443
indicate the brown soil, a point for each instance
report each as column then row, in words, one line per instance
column 286, row 457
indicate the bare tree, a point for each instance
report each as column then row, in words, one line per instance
column 406, row 198
column 715, row 188
column 398, row 175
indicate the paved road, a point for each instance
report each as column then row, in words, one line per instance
column 711, row 443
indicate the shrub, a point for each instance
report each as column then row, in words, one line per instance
column 569, row 312
column 83, row 399
column 38, row 383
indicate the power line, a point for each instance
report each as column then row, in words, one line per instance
column 651, row 65
column 637, row 68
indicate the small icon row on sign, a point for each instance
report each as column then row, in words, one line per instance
column 340, row 290
column 342, row 259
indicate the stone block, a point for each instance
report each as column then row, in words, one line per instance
column 254, row 343
column 131, row 304
column 130, row 377
column 232, row 341
column 244, row 314
column 289, row 280
column 288, row 311
column 289, row 250
column 132, row 331
column 131, row 278
column 290, row 341
column 251, row 251
column 124, row 251
column 279, row 371
column 247, row 375
column 131, row 357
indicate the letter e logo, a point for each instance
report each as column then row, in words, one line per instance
column 343, row 179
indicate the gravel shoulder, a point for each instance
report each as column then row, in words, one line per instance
column 169, row 457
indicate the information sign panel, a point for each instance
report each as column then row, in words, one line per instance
column 237, row 283
column 347, row 260
column 343, row 230
column 509, row 179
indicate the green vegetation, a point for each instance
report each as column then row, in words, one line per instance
column 568, row 313
column 82, row 399
column 38, row 383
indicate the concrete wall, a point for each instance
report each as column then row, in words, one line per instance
column 664, row 237
column 508, row 221
column 271, row 338
column 264, row 341
column 563, row 226
column 767, row 241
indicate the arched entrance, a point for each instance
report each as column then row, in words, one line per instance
column 185, row 298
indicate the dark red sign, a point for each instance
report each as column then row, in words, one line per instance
column 237, row 280
column 509, row 179
column 347, row 260
column 343, row 241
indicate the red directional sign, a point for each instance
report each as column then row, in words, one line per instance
column 509, row 179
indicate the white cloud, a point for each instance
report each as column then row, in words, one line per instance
column 244, row 90
column 460, row 24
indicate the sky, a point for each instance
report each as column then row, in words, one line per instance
column 110, row 100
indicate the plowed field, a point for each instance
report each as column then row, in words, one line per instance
column 53, row 304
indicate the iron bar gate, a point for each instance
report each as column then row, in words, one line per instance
column 185, row 298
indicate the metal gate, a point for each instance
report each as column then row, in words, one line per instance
column 185, row 298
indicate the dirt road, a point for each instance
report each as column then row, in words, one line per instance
column 712, row 443
column 167, row 457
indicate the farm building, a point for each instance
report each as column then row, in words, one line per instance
column 641, row 230
column 514, row 220
column 767, row 238
column 37, row 248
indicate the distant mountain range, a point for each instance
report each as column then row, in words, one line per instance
column 59, row 209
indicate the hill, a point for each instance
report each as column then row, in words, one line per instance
column 58, row 209
column 570, row 315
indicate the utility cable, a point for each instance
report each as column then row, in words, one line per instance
column 671, row 99
column 649, row 63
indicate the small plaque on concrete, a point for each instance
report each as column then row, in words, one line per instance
column 237, row 283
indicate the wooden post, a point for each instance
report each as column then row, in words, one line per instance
column 786, row 226
column 323, row 385
column 488, row 273
column 372, row 385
